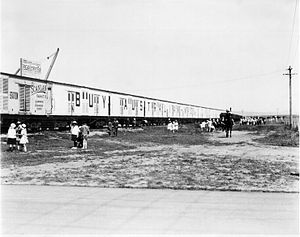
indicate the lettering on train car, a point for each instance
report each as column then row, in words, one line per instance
column 77, row 99
column 39, row 104
column 38, row 88
column 91, row 101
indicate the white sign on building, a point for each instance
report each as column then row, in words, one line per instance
column 30, row 68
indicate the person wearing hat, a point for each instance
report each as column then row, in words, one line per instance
column 24, row 139
column 228, row 121
column 11, row 137
column 74, row 133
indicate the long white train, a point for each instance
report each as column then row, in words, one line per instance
column 52, row 105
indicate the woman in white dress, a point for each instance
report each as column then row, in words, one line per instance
column 24, row 139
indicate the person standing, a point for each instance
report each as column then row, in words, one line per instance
column 202, row 126
column 115, row 127
column 18, row 131
column 74, row 133
column 11, row 137
column 170, row 126
column 24, row 139
column 110, row 128
column 80, row 138
column 85, row 131
column 228, row 123
column 211, row 128
column 176, row 126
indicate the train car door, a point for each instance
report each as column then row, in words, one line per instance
column 121, row 106
column 24, row 91
column 71, row 102
column 96, row 104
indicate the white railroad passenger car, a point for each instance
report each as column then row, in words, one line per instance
column 50, row 105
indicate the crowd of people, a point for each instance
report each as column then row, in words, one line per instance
column 79, row 135
column 113, row 128
column 252, row 121
column 172, row 126
column 209, row 125
column 17, row 133
column 225, row 123
column 17, row 137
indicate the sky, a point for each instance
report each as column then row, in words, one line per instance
column 214, row 53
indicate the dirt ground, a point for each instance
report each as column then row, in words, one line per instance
column 156, row 159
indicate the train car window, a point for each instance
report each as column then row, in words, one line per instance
column 73, row 97
column 86, row 95
column 69, row 98
column 83, row 95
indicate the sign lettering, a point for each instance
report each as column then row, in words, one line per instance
column 30, row 68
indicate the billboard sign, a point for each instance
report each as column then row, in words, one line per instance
column 30, row 68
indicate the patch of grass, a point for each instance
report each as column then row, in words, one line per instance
column 55, row 147
column 284, row 137
column 187, row 135
column 274, row 134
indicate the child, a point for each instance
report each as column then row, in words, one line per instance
column 110, row 128
column 170, row 126
column 84, row 129
column 24, row 139
column 11, row 137
column 18, row 131
column 176, row 126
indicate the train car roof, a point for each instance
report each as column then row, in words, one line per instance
column 108, row 91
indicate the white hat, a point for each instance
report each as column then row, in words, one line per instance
column 13, row 125
column 24, row 125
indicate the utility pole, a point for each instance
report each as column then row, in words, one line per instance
column 290, row 92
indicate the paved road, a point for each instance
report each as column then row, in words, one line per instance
column 59, row 210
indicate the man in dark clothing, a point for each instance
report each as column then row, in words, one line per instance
column 110, row 128
column 115, row 127
column 228, row 123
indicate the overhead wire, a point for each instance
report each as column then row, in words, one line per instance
column 296, row 51
column 215, row 82
column 292, row 34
